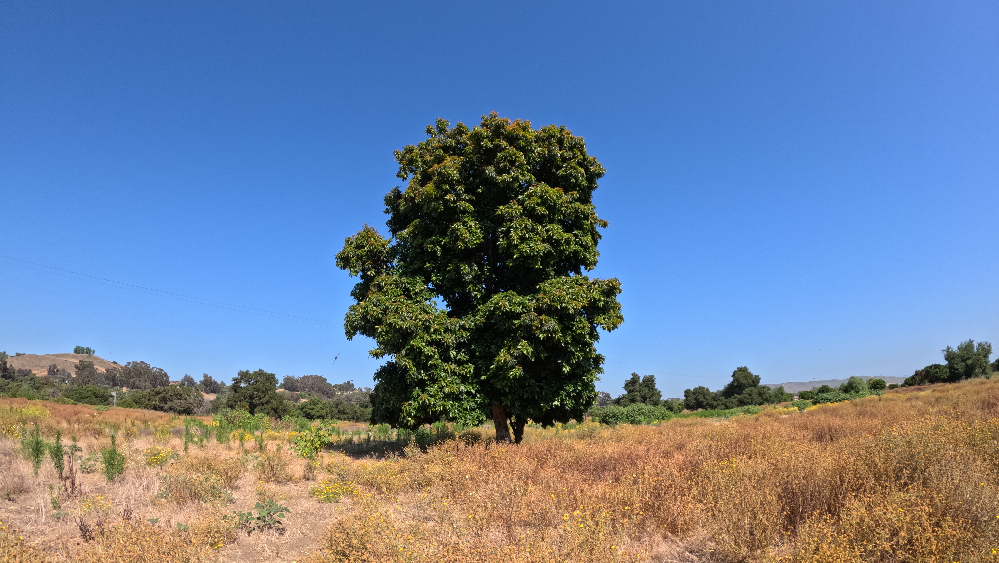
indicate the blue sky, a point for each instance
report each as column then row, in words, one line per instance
column 808, row 189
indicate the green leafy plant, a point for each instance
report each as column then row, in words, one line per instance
column 90, row 464
column 34, row 448
column 113, row 461
column 268, row 517
column 57, row 453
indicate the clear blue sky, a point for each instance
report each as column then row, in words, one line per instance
column 810, row 189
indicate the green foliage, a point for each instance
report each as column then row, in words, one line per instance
column 34, row 448
column 700, row 397
column 320, row 409
column 801, row 404
column 113, row 461
column 478, row 298
column 90, row 464
column 89, row 395
column 57, row 453
column 968, row 360
column 175, row 398
column 187, row 381
column 642, row 390
column 84, row 350
column 257, row 392
column 876, row 384
column 933, row 373
column 268, row 517
column 806, row 395
column 209, row 385
column 893, row 386
column 854, row 385
column 823, row 389
column 634, row 413
column 6, row 371
column 744, row 390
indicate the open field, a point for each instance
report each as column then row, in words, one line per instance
column 909, row 476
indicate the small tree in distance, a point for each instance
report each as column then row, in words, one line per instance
column 255, row 392
column 876, row 384
column 187, row 381
column 968, row 361
column 642, row 391
column 209, row 385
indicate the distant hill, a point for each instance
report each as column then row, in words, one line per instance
column 39, row 363
column 799, row 386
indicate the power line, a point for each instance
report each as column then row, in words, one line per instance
column 162, row 293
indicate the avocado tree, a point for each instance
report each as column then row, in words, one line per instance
column 478, row 297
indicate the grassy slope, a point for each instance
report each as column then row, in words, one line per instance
column 39, row 363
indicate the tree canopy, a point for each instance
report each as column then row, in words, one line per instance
column 478, row 297
column 642, row 390
column 968, row 360
column 256, row 391
column 743, row 390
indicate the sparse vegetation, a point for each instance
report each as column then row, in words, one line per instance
column 904, row 476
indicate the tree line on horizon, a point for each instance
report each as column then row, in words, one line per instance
column 142, row 386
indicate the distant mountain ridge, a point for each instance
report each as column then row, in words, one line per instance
column 39, row 363
column 799, row 386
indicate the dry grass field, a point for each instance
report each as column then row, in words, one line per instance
column 909, row 476
column 39, row 363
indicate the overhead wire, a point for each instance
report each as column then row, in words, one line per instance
column 163, row 293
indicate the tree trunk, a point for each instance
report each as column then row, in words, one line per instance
column 518, row 429
column 502, row 428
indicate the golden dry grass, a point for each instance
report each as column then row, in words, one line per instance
column 910, row 476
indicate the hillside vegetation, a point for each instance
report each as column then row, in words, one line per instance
column 912, row 475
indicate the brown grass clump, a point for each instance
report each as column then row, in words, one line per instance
column 273, row 467
column 13, row 548
column 223, row 465
column 132, row 541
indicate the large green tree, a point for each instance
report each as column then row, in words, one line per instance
column 968, row 360
column 478, row 296
column 256, row 391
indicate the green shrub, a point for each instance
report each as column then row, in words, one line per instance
column 113, row 461
column 34, row 448
column 174, row 398
column 89, row 395
column 635, row 413
column 801, row 404
column 57, row 453
column 876, row 384
column 854, row 385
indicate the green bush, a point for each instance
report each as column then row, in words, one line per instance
column 854, row 385
column 801, row 404
column 113, row 461
column 876, row 384
column 89, row 395
column 174, row 398
column 635, row 413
